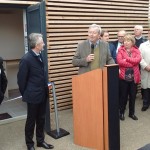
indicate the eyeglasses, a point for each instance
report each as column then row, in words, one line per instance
column 120, row 36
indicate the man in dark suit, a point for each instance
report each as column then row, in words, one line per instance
column 118, row 43
column 105, row 37
column 92, row 53
column 139, row 38
column 34, row 90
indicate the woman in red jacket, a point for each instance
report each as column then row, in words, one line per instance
column 128, row 59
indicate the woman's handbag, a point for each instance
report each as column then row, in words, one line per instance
column 129, row 74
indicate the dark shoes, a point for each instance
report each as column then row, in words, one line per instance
column 133, row 117
column 45, row 145
column 144, row 108
column 30, row 148
column 122, row 117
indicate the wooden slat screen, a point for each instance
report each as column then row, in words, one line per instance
column 20, row 2
column 67, row 24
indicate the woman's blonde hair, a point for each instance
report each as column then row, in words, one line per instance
column 129, row 37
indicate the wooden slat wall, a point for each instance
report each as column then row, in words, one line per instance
column 20, row 2
column 67, row 24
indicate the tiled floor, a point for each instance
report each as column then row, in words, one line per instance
column 14, row 107
column 133, row 134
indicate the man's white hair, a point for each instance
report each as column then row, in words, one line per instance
column 96, row 26
column 138, row 27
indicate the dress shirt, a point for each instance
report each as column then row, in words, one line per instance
column 119, row 44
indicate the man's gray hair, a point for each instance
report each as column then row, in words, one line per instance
column 138, row 27
column 34, row 39
column 98, row 28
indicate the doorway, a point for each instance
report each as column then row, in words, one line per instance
column 17, row 22
column 12, row 48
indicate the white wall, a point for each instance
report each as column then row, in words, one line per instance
column 11, row 43
column 11, row 34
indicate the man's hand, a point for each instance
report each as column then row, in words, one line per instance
column 147, row 68
column 90, row 58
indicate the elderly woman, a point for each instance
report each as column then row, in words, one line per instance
column 128, row 59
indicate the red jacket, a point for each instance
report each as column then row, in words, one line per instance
column 125, row 61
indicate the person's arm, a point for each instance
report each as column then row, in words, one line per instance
column 143, row 63
column 121, row 60
column 78, row 60
column 22, row 75
column 3, row 77
column 3, row 80
column 135, row 60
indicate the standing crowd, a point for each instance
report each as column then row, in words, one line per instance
column 130, row 52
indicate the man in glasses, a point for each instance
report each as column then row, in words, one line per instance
column 118, row 42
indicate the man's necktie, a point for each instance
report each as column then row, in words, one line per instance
column 39, row 57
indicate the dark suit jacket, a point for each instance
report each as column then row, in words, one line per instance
column 113, row 52
column 115, row 43
column 139, row 41
column 84, row 49
column 31, row 79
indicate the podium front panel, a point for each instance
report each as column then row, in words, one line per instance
column 88, row 109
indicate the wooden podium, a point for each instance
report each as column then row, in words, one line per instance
column 96, row 109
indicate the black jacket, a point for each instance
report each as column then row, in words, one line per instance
column 31, row 79
column 3, row 81
column 138, row 42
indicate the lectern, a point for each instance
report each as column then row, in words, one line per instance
column 88, row 109
column 96, row 109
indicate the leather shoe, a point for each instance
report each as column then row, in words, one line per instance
column 144, row 108
column 45, row 145
column 133, row 117
column 122, row 117
column 31, row 148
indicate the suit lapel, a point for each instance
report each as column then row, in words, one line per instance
column 87, row 46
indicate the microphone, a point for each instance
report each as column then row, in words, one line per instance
column 92, row 48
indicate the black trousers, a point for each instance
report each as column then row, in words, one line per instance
column 35, row 116
column 146, row 97
column 126, row 89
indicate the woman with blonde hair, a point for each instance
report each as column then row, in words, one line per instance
column 128, row 59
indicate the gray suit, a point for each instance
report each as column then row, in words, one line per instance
column 84, row 49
